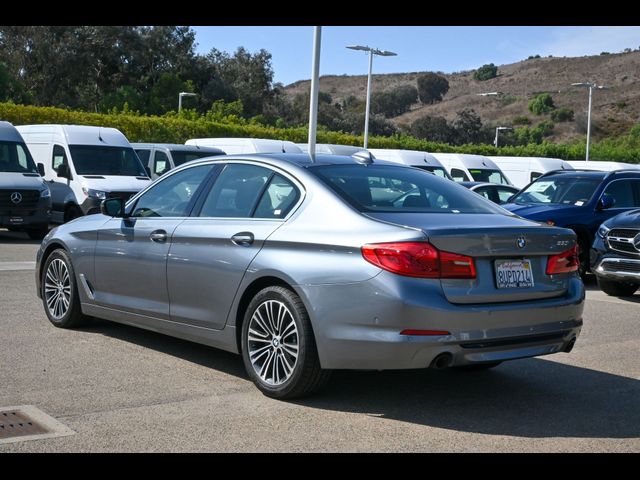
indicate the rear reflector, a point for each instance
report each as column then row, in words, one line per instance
column 564, row 262
column 425, row 333
column 419, row 259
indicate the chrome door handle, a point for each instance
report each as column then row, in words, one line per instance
column 243, row 239
column 159, row 236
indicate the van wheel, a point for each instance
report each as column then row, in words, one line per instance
column 617, row 289
column 278, row 346
column 72, row 213
column 60, row 292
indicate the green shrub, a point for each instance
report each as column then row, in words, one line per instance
column 563, row 114
column 542, row 103
column 486, row 72
column 521, row 120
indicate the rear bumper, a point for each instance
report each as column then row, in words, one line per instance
column 358, row 325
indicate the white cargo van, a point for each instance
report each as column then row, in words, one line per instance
column 524, row 170
column 332, row 148
column 232, row 146
column 84, row 165
column 412, row 158
column 464, row 167
column 602, row 166
column 159, row 158
column 25, row 199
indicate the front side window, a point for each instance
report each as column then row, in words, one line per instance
column 15, row 157
column 459, row 175
column 236, row 191
column 103, row 160
column 161, row 163
column 59, row 157
column 399, row 189
column 171, row 197
column 623, row 194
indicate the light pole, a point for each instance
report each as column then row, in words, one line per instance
column 590, row 86
column 184, row 94
column 498, row 129
column 372, row 52
column 313, row 94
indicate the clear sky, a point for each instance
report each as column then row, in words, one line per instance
column 446, row 49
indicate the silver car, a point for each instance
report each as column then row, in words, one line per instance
column 303, row 267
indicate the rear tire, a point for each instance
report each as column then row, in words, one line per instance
column 278, row 345
column 617, row 289
column 60, row 292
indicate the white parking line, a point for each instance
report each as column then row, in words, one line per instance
column 11, row 266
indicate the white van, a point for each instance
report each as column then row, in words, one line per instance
column 159, row 158
column 412, row 158
column 84, row 165
column 332, row 148
column 232, row 146
column 464, row 167
column 602, row 166
column 524, row 170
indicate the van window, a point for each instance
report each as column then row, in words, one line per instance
column 14, row 157
column 143, row 155
column 486, row 175
column 459, row 175
column 103, row 160
column 160, row 163
column 59, row 157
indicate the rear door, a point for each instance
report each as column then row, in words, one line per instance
column 212, row 249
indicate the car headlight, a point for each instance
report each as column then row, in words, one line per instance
column 46, row 193
column 602, row 231
column 99, row 194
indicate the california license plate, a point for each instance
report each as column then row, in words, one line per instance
column 514, row 273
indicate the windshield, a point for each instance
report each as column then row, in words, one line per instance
column 566, row 190
column 439, row 171
column 181, row 156
column 386, row 188
column 15, row 157
column 99, row 160
column 490, row 176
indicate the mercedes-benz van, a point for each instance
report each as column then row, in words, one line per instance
column 232, row 146
column 84, row 165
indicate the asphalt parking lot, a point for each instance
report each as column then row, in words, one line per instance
column 124, row 389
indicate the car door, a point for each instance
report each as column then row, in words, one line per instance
column 212, row 249
column 131, row 253
column 60, row 188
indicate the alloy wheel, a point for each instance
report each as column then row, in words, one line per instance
column 57, row 288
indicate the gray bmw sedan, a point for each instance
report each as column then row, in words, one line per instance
column 307, row 266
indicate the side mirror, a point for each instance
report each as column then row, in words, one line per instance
column 112, row 207
column 63, row 171
column 607, row 201
column 41, row 169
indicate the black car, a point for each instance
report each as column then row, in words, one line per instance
column 497, row 193
column 615, row 255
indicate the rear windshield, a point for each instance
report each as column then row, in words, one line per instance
column 387, row 188
column 15, row 157
column 102, row 160
column 486, row 175
column 181, row 156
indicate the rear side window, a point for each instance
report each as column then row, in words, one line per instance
column 622, row 192
column 278, row 199
column 236, row 191
column 385, row 188
column 161, row 163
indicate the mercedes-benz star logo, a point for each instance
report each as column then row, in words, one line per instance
column 16, row 197
column 521, row 242
column 636, row 242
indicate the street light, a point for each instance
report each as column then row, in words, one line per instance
column 372, row 52
column 498, row 129
column 184, row 94
column 590, row 86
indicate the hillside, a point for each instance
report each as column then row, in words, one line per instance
column 614, row 110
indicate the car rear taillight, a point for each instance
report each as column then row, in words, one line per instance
column 564, row 262
column 419, row 259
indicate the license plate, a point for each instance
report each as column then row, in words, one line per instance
column 514, row 273
column 16, row 220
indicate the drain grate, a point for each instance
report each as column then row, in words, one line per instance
column 15, row 423
column 18, row 424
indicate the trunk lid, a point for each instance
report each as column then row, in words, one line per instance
column 487, row 238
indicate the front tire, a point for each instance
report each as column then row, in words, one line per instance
column 617, row 289
column 60, row 292
column 278, row 346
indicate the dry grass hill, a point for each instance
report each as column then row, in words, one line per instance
column 614, row 110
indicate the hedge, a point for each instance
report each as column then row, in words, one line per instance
column 138, row 128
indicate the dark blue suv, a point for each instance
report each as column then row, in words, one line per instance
column 578, row 199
